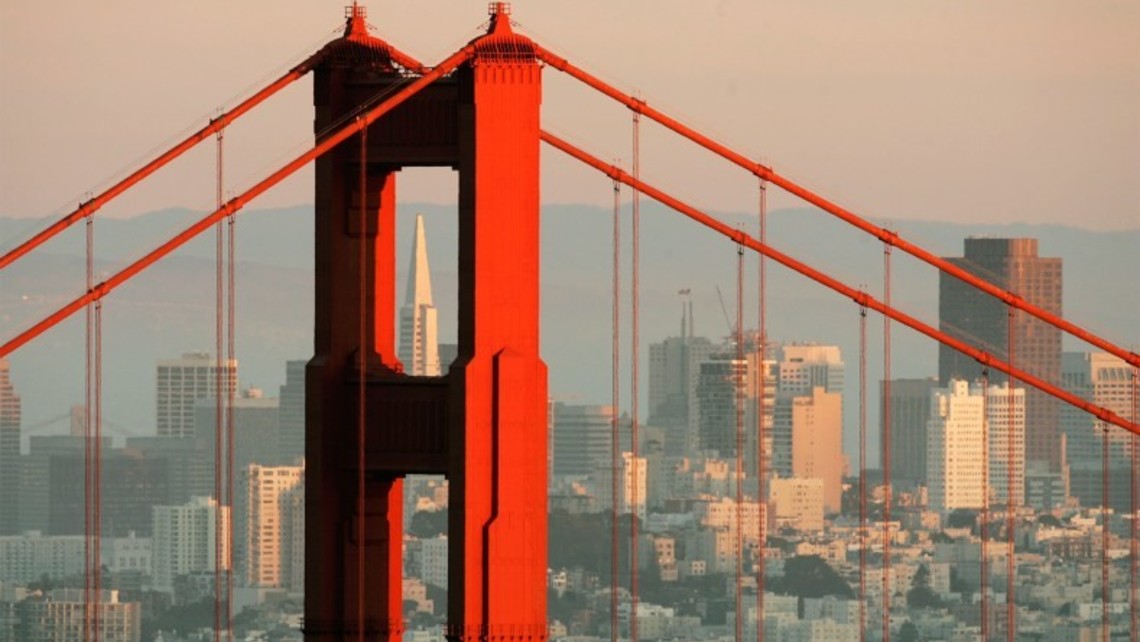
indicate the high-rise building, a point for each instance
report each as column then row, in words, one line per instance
column 955, row 460
column 975, row 435
column 910, row 411
column 184, row 540
column 722, row 388
column 263, row 528
column 181, row 382
column 984, row 322
column 60, row 614
column 1105, row 380
column 804, row 366
column 674, row 374
column 291, row 420
column 631, row 493
column 132, row 483
column 9, row 454
column 292, row 506
column 581, row 439
column 807, row 441
column 419, row 342
column 797, row 503
column 255, row 424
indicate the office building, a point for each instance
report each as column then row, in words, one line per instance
column 182, row 382
column 974, row 437
column 582, row 437
column 419, row 340
column 983, row 321
column 909, row 413
column 804, row 366
column 797, row 503
column 9, row 453
column 60, row 614
column 263, row 529
column 674, row 375
column 291, row 417
column 631, row 492
column 1105, row 380
column 807, row 441
column 185, row 539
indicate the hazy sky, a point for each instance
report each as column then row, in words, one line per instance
column 1020, row 110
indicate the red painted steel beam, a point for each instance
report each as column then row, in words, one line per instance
column 858, row 296
column 891, row 238
column 104, row 288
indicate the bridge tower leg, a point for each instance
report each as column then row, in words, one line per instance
column 498, row 516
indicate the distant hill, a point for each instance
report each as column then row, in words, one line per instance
column 170, row 309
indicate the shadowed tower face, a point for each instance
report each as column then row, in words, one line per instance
column 419, row 345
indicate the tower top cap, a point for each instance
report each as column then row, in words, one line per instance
column 356, row 17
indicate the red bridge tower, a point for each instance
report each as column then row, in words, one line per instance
column 484, row 424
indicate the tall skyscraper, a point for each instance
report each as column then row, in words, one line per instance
column 184, row 540
column 807, row 441
column 581, row 439
column 419, row 343
column 983, row 321
column 674, row 374
column 969, row 439
column 291, row 436
column 180, row 383
column 910, row 411
column 263, row 529
column 9, row 453
column 1105, row 380
column 804, row 366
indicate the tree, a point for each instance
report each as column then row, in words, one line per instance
column 962, row 518
column 427, row 524
column 908, row 632
column 920, row 595
column 810, row 576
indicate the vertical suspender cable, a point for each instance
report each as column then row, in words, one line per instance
column 231, row 388
column 984, row 526
column 219, row 401
column 615, row 441
column 96, row 555
column 635, row 321
column 362, row 257
column 862, row 473
column 1105, row 589
column 1010, row 499
column 738, row 372
column 761, row 412
column 1134, row 543
column 88, row 437
column 886, row 446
